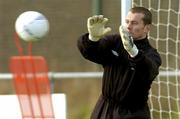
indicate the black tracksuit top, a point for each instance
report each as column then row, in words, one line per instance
column 126, row 81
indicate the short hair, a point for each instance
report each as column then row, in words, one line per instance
column 147, row 14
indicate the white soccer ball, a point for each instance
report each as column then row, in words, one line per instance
column 31, row 26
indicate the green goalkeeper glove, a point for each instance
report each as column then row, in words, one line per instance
column 127, row 41
column 96, row 27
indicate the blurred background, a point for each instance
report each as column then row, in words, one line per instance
column 67, row 23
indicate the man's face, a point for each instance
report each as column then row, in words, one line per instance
column 135, row 25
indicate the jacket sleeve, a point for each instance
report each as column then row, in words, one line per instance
column 98, row 52
column 148, row 62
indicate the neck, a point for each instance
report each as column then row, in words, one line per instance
column 141, row 38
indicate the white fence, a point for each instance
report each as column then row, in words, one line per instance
column 62, row 75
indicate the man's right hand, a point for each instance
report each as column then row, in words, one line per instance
column 96, row 27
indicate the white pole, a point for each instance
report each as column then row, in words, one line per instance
column 125, row 6
column 63, row 75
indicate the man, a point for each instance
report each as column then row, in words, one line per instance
column 130, row 64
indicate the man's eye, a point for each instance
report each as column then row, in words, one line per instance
column 135, row 23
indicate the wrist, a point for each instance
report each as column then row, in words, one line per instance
column 134, row 51
column 93, row 38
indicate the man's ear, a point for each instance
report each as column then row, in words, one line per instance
column 147, row 28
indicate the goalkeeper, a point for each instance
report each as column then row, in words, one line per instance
column 130, row 64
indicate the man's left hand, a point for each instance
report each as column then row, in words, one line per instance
column 127, row 41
